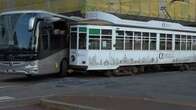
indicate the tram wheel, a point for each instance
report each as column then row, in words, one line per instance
column 141, row 69
column 109, row 73
column 186, row 67
column 134, row 70
column 63, row 68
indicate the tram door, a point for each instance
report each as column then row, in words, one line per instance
column 78, row 46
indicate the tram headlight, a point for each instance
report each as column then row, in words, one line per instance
column 73, row 58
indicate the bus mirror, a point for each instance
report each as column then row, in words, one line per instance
column 31, row 23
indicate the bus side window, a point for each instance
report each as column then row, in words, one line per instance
column 44, row 36
column 45, row 39
column 58, row 35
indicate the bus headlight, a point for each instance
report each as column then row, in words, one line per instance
column 31, row 65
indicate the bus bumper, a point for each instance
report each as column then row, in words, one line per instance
column 18, row 68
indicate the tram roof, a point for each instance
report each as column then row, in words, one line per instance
column 154, row 24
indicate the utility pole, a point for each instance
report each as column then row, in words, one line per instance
column 48, row 4
column 163, row 12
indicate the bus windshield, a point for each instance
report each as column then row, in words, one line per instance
column 14, row 33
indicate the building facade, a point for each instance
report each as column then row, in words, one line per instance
column 170, row 9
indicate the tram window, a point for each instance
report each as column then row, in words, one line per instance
column 129, row 40
column 82, row 41
column 82, row 29
column 137, row 40
column 106, row 32
column 120, row 33
column 193, row 42
column 189, row 43
column 162, row 41
column 169, row 42
column 177, row 42
column 183, row 42
column 129, row 33
column 94, row 31
column 94, row 42
column 153, row 41
column 145, row 39
column 119, row 40
column 74, row 40
column 119, row 43
column 106, row 42
column 128, row 43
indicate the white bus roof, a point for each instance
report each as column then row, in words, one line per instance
column 41, row 12
column 97, row 15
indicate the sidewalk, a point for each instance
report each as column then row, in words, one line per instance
column 110, row 103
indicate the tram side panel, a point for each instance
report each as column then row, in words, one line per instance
column 114, row 59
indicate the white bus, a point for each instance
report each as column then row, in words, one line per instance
column 33, row 42
column 106, row 42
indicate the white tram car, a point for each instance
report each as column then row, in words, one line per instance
column 106, row 42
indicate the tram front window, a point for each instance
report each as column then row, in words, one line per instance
column 74, row 40
column 94, row 42
column 82, row 41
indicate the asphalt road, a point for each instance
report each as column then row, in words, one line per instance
column 173, row 86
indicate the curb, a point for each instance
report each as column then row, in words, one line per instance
column 57, row 105
column 178, row 103
column 53, row 103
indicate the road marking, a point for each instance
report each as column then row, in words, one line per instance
column 6, row 98
column 2, row 87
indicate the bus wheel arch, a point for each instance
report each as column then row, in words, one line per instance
column 63, row 67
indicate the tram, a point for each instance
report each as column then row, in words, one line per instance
column 106, row 42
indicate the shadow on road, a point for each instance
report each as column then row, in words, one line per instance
column 42, row 78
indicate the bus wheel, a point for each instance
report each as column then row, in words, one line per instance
column 63, row 68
